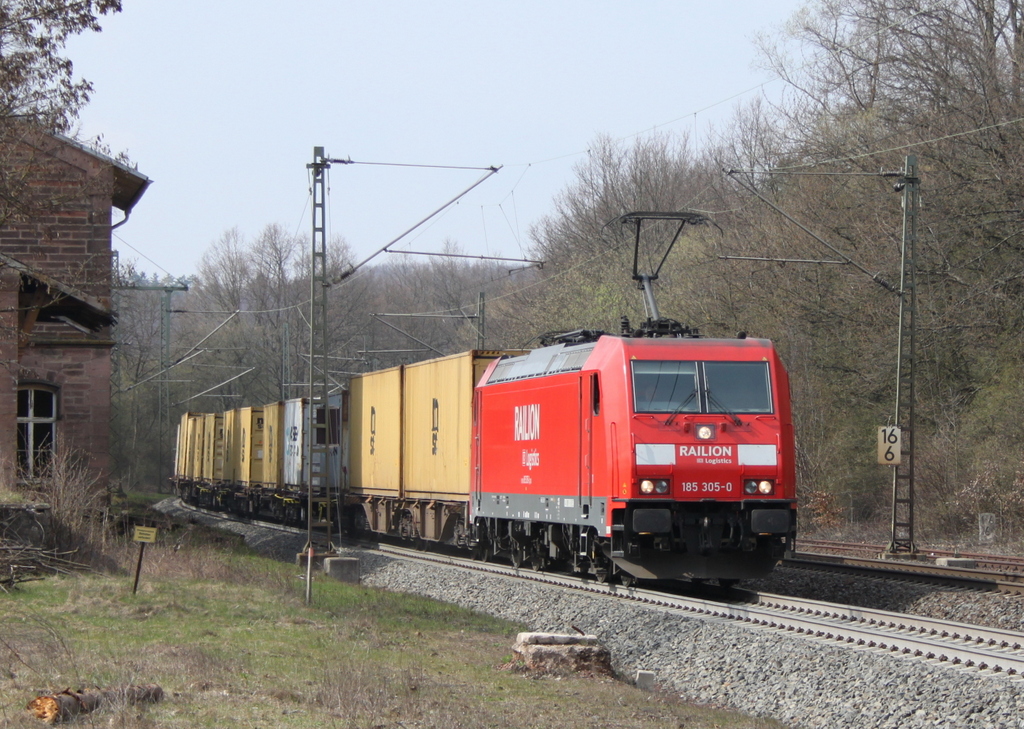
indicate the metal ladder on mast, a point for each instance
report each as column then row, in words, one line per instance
column 902, row 539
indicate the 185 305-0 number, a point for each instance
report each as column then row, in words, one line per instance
column 707, row 487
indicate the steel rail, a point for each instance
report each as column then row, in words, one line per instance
column 1013, row 562
column 977, row 634
column 923, row 572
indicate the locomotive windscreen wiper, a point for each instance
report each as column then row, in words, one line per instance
column 713, row 401
column 680, row 407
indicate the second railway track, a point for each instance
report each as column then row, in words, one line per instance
column 994, row 575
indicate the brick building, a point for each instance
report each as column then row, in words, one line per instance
column 55, row 300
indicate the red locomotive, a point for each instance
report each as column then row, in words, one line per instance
column 653, row 458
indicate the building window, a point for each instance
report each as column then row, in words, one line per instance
column 37, row 426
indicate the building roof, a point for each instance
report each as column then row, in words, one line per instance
column 65, row 302
column 129, row 183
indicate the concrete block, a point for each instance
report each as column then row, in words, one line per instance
column 345, row 569
column 968, row 564
column 645, row 680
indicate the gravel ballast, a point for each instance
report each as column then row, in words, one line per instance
column 762, row 672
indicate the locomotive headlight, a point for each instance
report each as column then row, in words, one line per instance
column 661, row 487
column 764, row 487
column 647, row 486
column 705, row 432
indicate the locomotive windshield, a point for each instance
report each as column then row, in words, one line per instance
column 701, row 387
column 665, row 387
column 737, row 387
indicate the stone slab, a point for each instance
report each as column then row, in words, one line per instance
column 345, row 569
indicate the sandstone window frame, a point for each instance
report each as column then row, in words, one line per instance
column 38, row 415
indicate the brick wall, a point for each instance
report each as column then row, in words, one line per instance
column 81, row 375
column 9, row 282
column 61, row 229
column 62, row 224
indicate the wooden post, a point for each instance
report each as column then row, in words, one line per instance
column 138, row 567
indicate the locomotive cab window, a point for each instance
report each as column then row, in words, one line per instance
column 737, row 387
column 701, row 387
column 665, row 387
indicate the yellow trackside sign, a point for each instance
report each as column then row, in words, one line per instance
column 145, row 534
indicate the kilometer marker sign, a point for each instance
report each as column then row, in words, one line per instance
column 890, row 445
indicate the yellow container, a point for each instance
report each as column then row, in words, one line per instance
column 181, row 454
column 232, row 445
column 194, row 464
column 213, row 448
column 273, row 439
column 438, row 425
column 251, row 445
column 411, row 428
column 375, row 452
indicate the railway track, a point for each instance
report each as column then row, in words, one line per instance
column 913, row 637
column 912, row 571
column 995, row 574
column 992, row 562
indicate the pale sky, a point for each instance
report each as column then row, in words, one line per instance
column 221, row 103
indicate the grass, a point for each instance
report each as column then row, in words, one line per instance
column 226, row 634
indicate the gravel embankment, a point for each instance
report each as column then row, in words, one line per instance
column 800, row 682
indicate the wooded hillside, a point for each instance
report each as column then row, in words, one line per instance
column 866, row 82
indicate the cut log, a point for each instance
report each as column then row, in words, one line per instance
column 67, row 704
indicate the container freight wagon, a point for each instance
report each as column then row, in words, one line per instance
column 410, row 436
column 646, row 458
column 326, row 479
column 254, row 461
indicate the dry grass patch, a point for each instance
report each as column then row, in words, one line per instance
column 229, row 639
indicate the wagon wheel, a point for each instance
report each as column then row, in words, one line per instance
column 517, row 555
column 482, row 552
column 627, row 579
column 602, row 569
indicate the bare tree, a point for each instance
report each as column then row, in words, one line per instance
column 38, row 90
